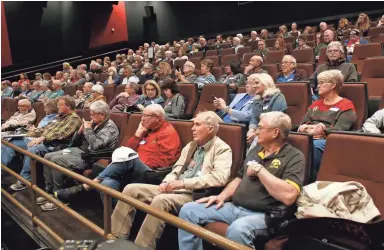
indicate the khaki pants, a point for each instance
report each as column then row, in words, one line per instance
column 152, row 228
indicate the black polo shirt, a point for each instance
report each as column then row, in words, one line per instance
column 287, row 164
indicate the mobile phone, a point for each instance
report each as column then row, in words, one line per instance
column 214, row 97
column 178, row 68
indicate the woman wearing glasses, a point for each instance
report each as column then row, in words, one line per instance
column 151, row 95
column 189, row 75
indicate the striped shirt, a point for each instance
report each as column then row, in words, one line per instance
column 202, row 80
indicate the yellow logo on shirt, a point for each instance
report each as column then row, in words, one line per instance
column 275, row 163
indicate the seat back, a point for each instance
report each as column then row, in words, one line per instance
column 275, row 56
column 218, row 90
column 376, row 31
column 103, row 77
column 270, row 42
column 322, row 56
column 217, row 72
column 179, row 63
column 212, row 52
column 242, row 51
column 362, row 51
column 199, row 55
column 357, row 93
column 227, row 51
column 225, row 59
column 304, row 55
column 378, row 39
column 241, row 90
column 121, row 121
column 119, row 89
column 109, row 92
column 190, row 93
column 304, row 143
column 10, row 108
column 184, row 129
column 373, row 74
column 196, row 61
column 271, row 69
column 132, row 125
column 40, row 112
column 289, row 47
column 215, row 60
column 381, row 105
column 307, row 67
column 70, row 90
column 289, row 39
column 225, row 46
column 298, row 97
column 311, row 44
column 363, row 163
column 247, row 57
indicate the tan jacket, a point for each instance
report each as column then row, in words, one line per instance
column 20, row 119
column 347, row 200
column 215, row 170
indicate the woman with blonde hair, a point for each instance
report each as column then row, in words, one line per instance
column 363, row 23
column 343, row 26
column 113, row 77
column 284, row 31
column 268, row 98
column 97, row 95
column 164, row 72
column 151, row 95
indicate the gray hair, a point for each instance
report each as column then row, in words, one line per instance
column 168, row 52
column 25, row 102
column 254, row 32
column 51, row 104
column 190, row 64
column 258, row 58
column 211, row 119
column 44, row 83
column 113, row 69
column 278, row 119
column 38, row 83
column 333, row 76
column 236, row 39
column 157, row 109
column 58, row 82
column 133, row 85
column 101, row 107
column 148, row 65
column 239, row 35
column 89, row 84
column 291, row 58
column 98, row 89
column 337, row 45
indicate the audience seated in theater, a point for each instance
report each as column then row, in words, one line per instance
column 254, row 37
column 272, row 176
column 205, row 162
column 57, row 91
column 330, row 113
column 81, row 96
column 147, row 73
column 181, row 55
column 22, row 118
column 323, row 27
column 42, row 140
column 262, row 50
column 307, row 30
column 151, row 95
column 113, row 77
column 229, row 40
column 203, row 45
column 24, row 78
column 175, row 104
column 265, row 35
column 98, row 134
column 46, row 91
column 97, row 95
column 354, row 39
column 240, row 36
column 294, row 30
column 280, row 45
column 164, row 72
column 335, row 60
column 206, row 76
column 328, row 38
column 343, row 27
column 284, row 31
column 302, row 43
column 34, row 95
column 195, row 48
column 66, row 79
column 236, row 44
column 129, row 76
column 254, row 66
column 6, row 89
column 239, row 111
column 157, row 144
column 189, row 75
column 375, row 124
column 59, row 76
column 66, row 67
column 107, row 65
column 268, row 98
column 38, row 77
column 190, row 41
column 289, row 72
column 50, row 108
column 138, row 65
column 380, row 22
column 47, row 76
column 25, row 90
column 363, row 24
column 95, row 68
column 89, row 77
column 233, row 76
column 16, row 90
column 219, row 39
column 125, row 99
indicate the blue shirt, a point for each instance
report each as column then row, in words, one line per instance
column 56, row 94
column 116, row 80
column 246, row 98
column 46, row 120
column 288, row 78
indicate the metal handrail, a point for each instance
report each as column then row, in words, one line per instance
column 108, row 193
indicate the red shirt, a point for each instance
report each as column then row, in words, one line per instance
column 160, row 148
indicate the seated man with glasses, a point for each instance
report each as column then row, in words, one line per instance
column 289, row 72
column 157, row 144
column 147, row 73
column 262, row 50
column 189, row 75
column 335, row 60
column 24, row 117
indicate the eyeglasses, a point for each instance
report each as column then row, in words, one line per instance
column 148, row 115
column 262, row 128
column 150, row 90
column 261, row 44
column 333, row 51
column 284, row 62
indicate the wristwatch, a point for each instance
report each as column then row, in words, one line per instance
column 256, row 168
column 226, row 109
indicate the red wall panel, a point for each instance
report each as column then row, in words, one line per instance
column 6, row 57
column 102, row 25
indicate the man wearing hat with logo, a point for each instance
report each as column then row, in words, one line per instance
column 272, row 176
column 354, row 39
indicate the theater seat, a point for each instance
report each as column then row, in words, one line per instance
column 103, row 77
column 225, row 46
column 271, row 69
column 357, row 93
column 379, row 39
column 40, row 112
column 121, row 121
column 298, row 97
column 212, row 52
column 227, row 51
column 190, row 93
column 184, row 129
column 275, row 57
column 70, row 90
column 242, row 51
column 196, row 61
column 307, row 67
column 247, row 57
column 109, row 92
column 217, row 72
column 304, row 55
column 270, row 42
column 219, row 90
column 381, row 105
column 215, row 60
column 179, row 64
column 322, row 56
column 199, row 55
column 363, row 51
column 225, row 59
column 373, row 74
column 119, row 89
column 376, row 31
column 10, row 108
column 363, row 162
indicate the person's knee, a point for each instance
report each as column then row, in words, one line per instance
column 237, row 230
column 131, row 190
column 189, row 209
column 160, row 202
column 114, row 184
column 319, row 144
column 49, row 156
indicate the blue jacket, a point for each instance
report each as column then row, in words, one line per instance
column 273, row 100
column 244, row 114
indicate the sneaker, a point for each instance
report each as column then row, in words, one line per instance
column 67, row 193
column 42, row 200
column 18, row 186
column 49, row 206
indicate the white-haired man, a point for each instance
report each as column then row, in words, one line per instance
column 57, row 91
column 272, row 175
column 254, row 37
column 24, row 117
column 236, row 44
column 205, row 162
column 189, row 75
column 289, row 72
column 328, row 38
column 254, row 66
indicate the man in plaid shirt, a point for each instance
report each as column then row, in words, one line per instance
column 42, row 140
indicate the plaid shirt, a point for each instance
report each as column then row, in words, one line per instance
column 62, row 127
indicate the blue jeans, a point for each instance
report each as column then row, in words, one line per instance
column 318, row 149
column 8, row 153
column 120, row 174
column 245, row 225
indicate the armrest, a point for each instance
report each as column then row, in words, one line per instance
column 183, row 117
column 97, row 155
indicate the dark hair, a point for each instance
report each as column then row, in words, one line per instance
column 25, row 75
column 69, row 101
column 170, row 84
column 208, row 63
column 304, row 38
column 235, row 67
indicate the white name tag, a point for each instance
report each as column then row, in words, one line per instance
column 142, row 142
column 251, row 163
column 334, row 109
column 265, row 107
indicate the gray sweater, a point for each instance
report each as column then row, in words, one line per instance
column 175, row 106
column 375, row 124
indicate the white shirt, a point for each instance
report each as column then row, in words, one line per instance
column 133, row 78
